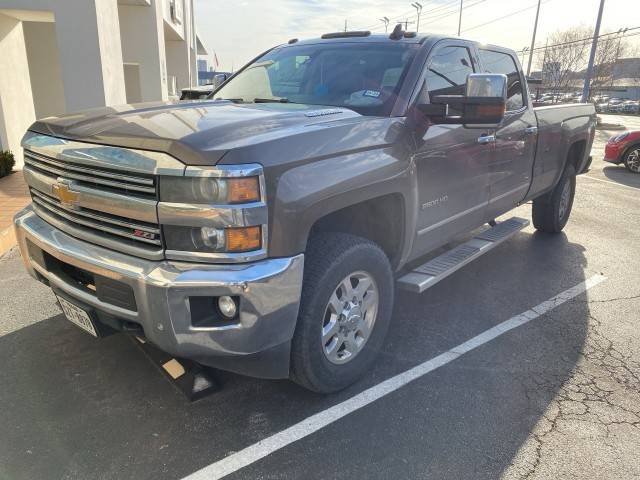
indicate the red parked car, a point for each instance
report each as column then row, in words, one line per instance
column 624, row 148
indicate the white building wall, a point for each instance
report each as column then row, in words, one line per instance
column 142, row 33
column 44, row 68
column 74, row 57
column 16, row 101
column 92, row 69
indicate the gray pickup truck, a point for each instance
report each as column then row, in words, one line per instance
column 264, row 230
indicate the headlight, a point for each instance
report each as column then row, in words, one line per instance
column 619, row 138
column 219, row 191
column 213, row 240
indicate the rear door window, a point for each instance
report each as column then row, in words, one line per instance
column 499, row 62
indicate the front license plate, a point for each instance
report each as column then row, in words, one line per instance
column 78, row 316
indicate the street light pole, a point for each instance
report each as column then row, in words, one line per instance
column 385, row 20
column 418, row 7
column 460, row 18
column 592, row 55
column 533, row 39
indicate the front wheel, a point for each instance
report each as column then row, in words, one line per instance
column 632, row 160
column 551, row 211
column 345, row 311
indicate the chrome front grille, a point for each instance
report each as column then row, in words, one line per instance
column 99, row 221
column 102, row 194
column 96, row 177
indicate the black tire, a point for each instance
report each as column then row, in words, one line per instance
column 548, row 214
column 331, row 257
column 632, row 159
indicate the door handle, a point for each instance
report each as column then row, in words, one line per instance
column 531, row 130
column 486, row 139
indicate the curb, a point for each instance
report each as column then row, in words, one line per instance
column 7, row 240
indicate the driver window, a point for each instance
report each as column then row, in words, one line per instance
column 447, row 72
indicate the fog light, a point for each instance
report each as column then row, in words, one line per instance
column 227, row 306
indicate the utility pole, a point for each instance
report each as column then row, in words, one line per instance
column 592, row 55
column 460, row 18
column 418, row 7
column 345, row 24
column 406, row 24
column 385, row 20
column 533, row 39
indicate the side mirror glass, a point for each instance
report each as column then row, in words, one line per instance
column 486, row 99
column 219, row 79
column 488, row 85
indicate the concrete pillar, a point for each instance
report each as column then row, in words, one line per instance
column 142, row 33
column 16, row 101
column 88, row 33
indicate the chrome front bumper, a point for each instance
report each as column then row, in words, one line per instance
column 269, row 291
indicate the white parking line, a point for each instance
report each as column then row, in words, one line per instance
column 609, row 181
column 309, row 425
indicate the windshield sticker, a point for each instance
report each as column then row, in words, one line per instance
column 371, row 93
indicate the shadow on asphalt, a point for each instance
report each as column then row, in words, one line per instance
column 75, row 407
column 620, row 174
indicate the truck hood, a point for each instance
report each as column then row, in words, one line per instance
column 198, row 132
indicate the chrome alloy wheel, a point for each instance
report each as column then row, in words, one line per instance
column 565, row 198
column 633, row 160
column 349, row 317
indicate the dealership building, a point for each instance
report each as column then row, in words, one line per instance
column 63, row 56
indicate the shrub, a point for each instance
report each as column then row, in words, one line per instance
column 6, row 162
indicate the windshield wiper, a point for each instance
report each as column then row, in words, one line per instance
column 234, row 100
column 271, row 100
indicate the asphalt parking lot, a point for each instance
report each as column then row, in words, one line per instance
column 556, row 397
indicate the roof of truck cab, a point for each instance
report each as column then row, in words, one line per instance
column 374, row 38
column 384, row 38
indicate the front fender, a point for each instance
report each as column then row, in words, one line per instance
column 313, row 190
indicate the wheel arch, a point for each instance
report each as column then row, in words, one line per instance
column 377, row 185
column 379, row 219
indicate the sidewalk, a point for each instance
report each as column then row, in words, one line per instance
column 14, row 195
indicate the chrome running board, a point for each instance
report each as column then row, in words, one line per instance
column 439, row 268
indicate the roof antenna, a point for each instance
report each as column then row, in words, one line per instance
column 397, row 32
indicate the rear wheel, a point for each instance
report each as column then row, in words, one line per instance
column 551, row 211
column 345, row 310
column 632, row 160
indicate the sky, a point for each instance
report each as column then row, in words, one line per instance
column 237, row 31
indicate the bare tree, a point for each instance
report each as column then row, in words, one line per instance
column 566, row 54
column 611, row 48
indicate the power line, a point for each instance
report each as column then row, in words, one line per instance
column 588, row 39
column 503, row 17
column 411, row 14
column 453, row 12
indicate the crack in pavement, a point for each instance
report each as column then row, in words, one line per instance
column 602, row 394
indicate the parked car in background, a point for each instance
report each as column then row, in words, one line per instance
column 624, row 148
column 631, row 106
column 196, row 93
column 615, row 105
column 601, row 107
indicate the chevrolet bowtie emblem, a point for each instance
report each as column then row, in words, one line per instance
column 67, row 197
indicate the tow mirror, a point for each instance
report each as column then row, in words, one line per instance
column 483, row 104
column 219, row 79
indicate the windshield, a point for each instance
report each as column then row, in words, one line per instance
column 360, row 76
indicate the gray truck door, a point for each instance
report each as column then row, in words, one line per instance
column 510, row 167
column 452, row 165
